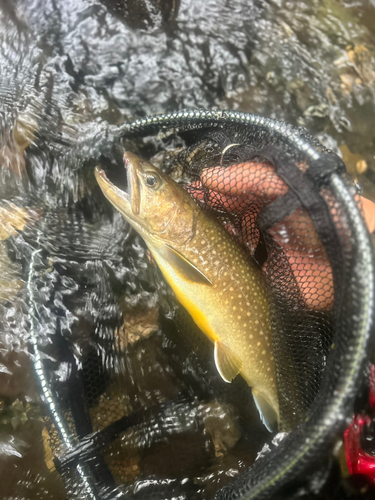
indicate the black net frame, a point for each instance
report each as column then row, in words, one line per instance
column 342, row 376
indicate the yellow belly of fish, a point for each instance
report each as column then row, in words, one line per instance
column 196, row 313
column 186, row 300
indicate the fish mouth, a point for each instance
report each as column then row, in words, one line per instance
column 127, row 203
column 133, row 166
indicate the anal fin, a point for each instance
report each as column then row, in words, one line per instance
column 266, row 412
column 228, row 365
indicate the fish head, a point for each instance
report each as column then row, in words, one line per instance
column 156, row 206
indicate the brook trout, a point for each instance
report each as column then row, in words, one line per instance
column 211, row 275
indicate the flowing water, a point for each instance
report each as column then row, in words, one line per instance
column 77, row 290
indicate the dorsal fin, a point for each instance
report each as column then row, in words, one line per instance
column 228, row 365
column 187, row 269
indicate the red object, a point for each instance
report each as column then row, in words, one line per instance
column 358, row 461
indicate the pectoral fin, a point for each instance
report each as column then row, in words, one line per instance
column 267, row 413
column 227, row 364
column 184, row 267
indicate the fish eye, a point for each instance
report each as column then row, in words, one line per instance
column 152, row 181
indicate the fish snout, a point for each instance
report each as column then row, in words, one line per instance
column 132, row 161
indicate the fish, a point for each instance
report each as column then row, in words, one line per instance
column 212, row 276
